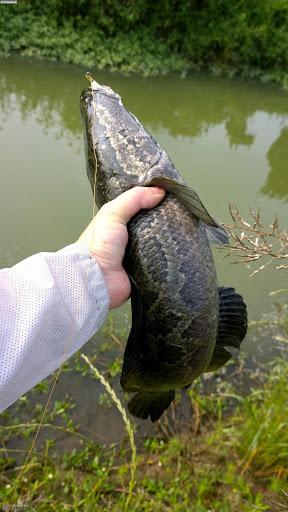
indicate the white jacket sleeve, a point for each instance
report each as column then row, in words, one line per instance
column 50, row 305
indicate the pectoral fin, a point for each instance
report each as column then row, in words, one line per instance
column 186, row 195
column 217, row 235
column 148, row 404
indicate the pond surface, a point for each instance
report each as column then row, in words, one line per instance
column 228, row 138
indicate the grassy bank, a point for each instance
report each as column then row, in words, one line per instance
column 215, row 460
column 247, row 37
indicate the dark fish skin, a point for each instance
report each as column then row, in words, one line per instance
column 170, row 259
column 175, row 299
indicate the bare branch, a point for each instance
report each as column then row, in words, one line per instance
column 254, row 242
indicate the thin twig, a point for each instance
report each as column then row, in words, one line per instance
column 253, row 242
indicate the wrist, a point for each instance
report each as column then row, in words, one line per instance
column 116, row 280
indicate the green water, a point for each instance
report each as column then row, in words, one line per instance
column 229, row 139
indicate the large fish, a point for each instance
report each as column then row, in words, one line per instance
column 181, row 321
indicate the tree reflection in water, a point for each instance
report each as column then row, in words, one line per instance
column 183, row 107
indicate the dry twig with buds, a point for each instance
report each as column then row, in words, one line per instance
column 254, row 242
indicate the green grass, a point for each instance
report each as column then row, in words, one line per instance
column 225, row 451
column 218, row 461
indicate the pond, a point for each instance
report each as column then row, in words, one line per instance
column 228, row 138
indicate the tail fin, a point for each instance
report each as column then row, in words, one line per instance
column 232, row 326
column 145, row 404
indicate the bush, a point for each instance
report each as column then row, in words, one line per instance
column 249, row 36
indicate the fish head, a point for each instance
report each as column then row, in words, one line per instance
column 97, row 108
column 119, row 151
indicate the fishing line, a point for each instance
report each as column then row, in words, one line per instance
column 68, row 343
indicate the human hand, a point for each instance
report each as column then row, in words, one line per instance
column 106, row 237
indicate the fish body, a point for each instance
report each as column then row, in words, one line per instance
column 175, row 296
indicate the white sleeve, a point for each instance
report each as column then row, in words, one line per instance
column 50, row 305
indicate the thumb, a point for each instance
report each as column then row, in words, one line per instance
column 125, row 206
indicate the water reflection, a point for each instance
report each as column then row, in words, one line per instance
column 40, row 90
column 186, row 108
column 236, row 128
column 182, row 107
column 277, row 180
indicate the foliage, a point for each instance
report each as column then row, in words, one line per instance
column 219, row 462
column 263, row 442
column 248, row 37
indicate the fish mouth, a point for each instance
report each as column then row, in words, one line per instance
column 96, row 87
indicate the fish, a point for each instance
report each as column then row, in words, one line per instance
column 183, row 323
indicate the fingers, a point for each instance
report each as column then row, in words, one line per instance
column 125, row 206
